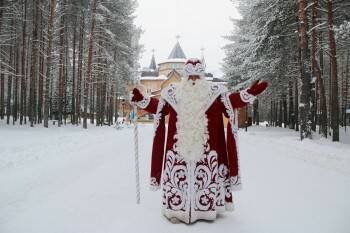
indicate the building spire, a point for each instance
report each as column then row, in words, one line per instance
column 153, row 65
column 177, row 52
column 203, row 59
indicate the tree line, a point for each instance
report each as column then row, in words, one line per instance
column 66, row 60
column 302, row 48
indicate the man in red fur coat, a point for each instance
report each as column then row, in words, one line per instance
column 195, row 163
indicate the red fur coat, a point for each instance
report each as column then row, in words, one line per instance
column 193, row 190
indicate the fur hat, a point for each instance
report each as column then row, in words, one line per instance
column 194, row 66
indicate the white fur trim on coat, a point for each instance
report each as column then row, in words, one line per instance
column 143, row 103
column 246, row 97
column 170, row 96
column 192, row 121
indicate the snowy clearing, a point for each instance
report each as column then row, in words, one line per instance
column 73, row 180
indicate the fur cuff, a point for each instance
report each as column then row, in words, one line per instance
column 246, row 97
column 143, row 103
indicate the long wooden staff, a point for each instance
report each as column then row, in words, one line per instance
column 136, row 152
column 136, row 144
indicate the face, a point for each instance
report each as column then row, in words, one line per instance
column 193, row 77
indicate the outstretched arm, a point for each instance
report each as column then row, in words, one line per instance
column 148, row 104
column 242, row 98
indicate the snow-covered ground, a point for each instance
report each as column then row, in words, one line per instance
column 70, row 180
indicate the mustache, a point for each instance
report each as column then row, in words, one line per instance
column 193, row 81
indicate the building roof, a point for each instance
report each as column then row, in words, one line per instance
column 177, row 52
column 174, row 60
column 174, row 72
column 146, row 72
column 161, row 77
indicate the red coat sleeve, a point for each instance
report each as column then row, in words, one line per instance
column 241, row 99
column 148, row 104
column 158, row 148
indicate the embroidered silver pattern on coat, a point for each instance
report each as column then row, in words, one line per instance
column 158, row 114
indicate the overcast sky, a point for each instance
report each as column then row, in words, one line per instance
column 200, row 23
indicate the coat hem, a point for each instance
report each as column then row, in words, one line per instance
column 183, row 216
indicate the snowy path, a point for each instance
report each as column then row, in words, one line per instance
column 77, row 181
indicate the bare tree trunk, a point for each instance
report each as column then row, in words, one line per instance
column 271, row 113
column 27, row 81
column 89, row 65
column 2, row 77
column 346, row 87
column 41, row 72
column 115, row 92
column 116, row 108
column 2, row 6
column 92, row 97
column 111, row 105
column 73, row 75
column 2, row 89
column 2, row 93
column 280, row 112
column 330, row 97
column 33, row 72
column 315, row 79
column 10, row 78
column 334, row 75
column 296, row 105
column 15, row 101
column 291, row 106
column 256, row 112
column 317, row 72
column 23, row 84
column 66, row 81
column 61, row 64
column 49, row 61
column 304, row 105
column 296, row 81
column 98, row 80
column 99, row 84
column 313, row 107
column 343, row 93
column 80, row 66
column 323, row 100
column 285, row 111
column 104, row 92
column 23, row 101
column 323, row 108
column 276, row 113
column 9, row 94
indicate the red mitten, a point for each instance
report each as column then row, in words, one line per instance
column 257, row 88
column 136, row 95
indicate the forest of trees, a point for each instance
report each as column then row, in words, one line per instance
column 66, row 60
column 302, row 48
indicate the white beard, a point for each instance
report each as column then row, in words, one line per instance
column 192, row 122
